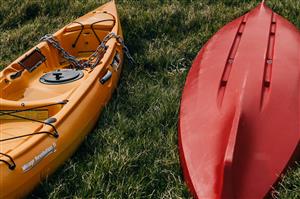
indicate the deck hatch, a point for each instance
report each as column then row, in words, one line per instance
column 61, row 76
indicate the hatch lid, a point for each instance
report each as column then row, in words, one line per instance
column 61, row 76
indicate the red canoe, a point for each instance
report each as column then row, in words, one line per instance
column 239, row 123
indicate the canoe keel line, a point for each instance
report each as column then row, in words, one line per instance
column 239, row 115
column 53, row 95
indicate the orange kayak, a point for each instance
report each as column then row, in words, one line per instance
column 51, row 97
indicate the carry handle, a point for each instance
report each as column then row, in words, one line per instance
column 106, row 77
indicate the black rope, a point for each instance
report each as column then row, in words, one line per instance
column 34, row 108
column 10, row 113
column 30, row 134
column 81, row 30
column 11, row 165
column 92, row 27
column 33, row 120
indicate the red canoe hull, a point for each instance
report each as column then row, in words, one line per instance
column 239, row 116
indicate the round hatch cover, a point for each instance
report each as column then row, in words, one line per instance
column 61, row 76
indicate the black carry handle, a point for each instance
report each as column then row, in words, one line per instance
column 106, row 77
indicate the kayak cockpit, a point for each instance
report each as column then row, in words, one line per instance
column 41, row 86
column 24, row 79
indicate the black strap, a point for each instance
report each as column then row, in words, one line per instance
column 12, row 164
column 10, row 113
column 34, row 108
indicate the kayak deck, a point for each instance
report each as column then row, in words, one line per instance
column 11, row 128
column 35, row 90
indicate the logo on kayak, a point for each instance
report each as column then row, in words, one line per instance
column 26, row 167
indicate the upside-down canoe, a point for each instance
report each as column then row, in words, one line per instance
column 240, row 109
column 48, row 106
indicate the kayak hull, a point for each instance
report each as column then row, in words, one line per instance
column 239, row 115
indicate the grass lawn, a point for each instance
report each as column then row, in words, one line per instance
column 133, row 153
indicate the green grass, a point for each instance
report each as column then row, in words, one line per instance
column 133, row 152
